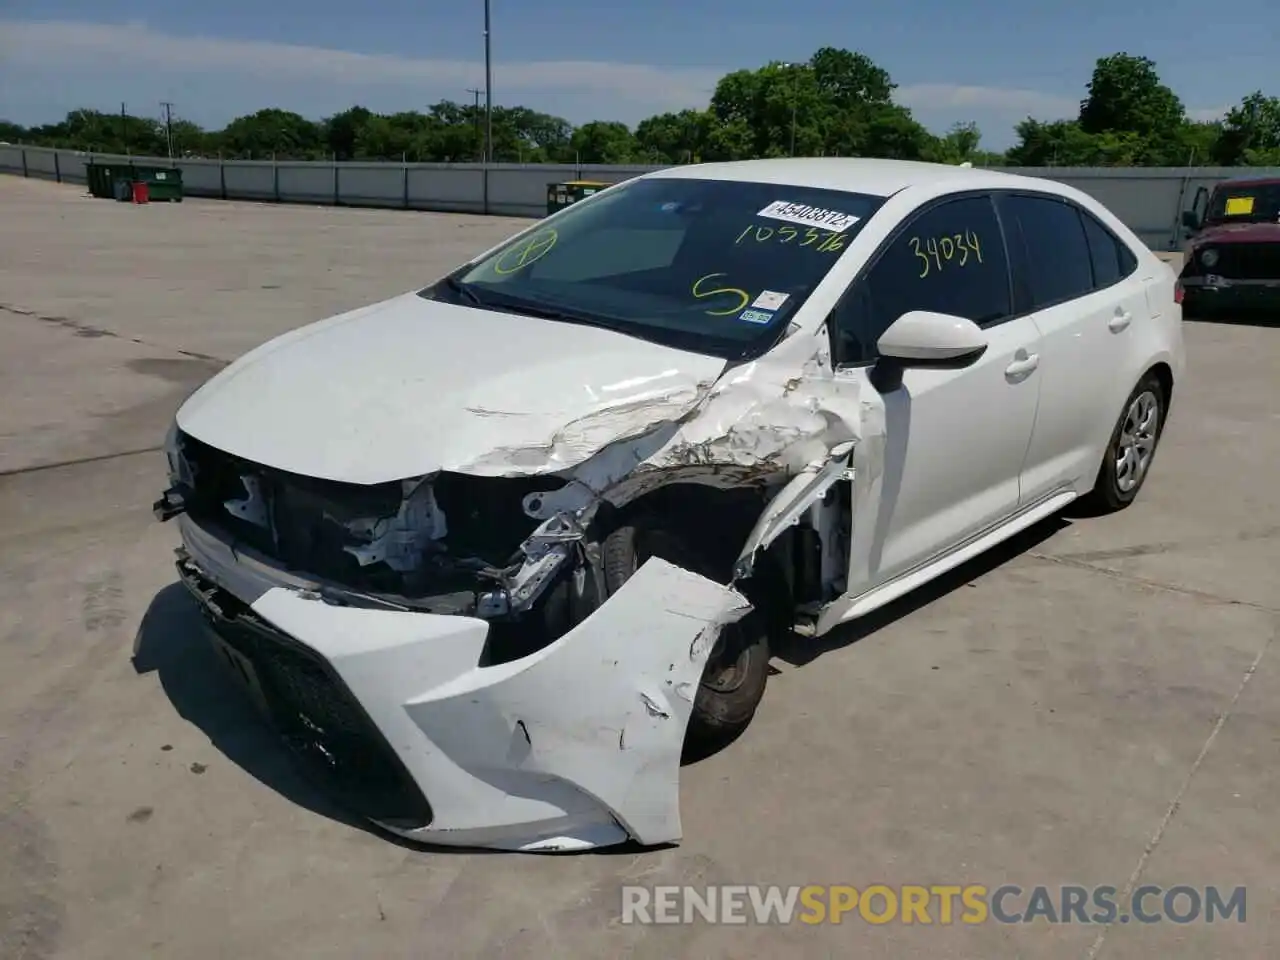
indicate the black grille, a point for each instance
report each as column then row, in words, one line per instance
column 1248, row 261
column 314, row 712
column 485, row 515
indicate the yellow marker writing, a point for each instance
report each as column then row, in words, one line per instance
column 743, row 297
column 527, row 252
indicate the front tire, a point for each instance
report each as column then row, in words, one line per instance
column 737, row 670
column 1127, row 461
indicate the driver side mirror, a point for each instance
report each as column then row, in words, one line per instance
column 1191, row 219
column 924, row 338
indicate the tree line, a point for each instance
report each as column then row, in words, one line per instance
column 838, row 103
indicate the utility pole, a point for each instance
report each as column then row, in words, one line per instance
column 475, row 119
column 168, row 125
column 124, row 127
column 488, row 90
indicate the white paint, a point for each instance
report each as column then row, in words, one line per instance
column 922, row 335
column 597, row 767
column 805, row 215
column 411, row 386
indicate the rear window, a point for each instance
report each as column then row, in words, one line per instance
column 1112, row 260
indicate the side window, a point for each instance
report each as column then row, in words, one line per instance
column 1112, row 260
column 1058, row 264
column 949, row 259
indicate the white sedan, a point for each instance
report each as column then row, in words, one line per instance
column 491, row 552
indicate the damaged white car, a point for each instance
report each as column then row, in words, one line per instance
column 488, row 551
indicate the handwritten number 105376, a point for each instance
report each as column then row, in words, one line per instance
column 956, row 249
column 822, row 240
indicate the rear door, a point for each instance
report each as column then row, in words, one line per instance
column 1081, row 285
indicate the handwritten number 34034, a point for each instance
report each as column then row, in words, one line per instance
column 957, row 249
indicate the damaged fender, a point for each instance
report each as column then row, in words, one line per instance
column 574, row 746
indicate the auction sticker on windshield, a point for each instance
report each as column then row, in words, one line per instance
column 770, row 300
column 1239, row 206
column 802, row 213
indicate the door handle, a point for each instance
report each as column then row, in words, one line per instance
column 1022, row 366
column 1120, row 321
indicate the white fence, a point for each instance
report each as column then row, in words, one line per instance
column 1150, row 199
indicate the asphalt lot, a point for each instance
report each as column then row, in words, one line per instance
column 1098, row 704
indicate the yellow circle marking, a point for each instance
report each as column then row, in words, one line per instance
column 527, row 252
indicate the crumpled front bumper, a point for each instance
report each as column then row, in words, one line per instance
column 575, row 746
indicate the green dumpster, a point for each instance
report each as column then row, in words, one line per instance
column 561, row 195
column 163, row 183
column 102, row 177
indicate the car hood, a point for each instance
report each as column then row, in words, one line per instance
column 1239, row 233
column 411, row 386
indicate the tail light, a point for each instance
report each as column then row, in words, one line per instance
column 1177, row 291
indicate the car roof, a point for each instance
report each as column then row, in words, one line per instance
column 1251, row 182
column 881, row 178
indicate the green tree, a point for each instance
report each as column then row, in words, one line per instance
column 273, row 133
column 1129, row 118
column 1251, row 132
column 1125, row 94
column 342, row 130
column 12, row 132
column 960, row 144
column 603, row 141
column 674, row 137
column 534, row 137
column 839, row 103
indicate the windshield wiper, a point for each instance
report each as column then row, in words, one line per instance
column 548, row 311
column 463, row 291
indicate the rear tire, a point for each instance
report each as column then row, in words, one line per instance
column 1131, row 450
column 737, row 670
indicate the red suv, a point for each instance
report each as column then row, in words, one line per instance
column 1234, row 257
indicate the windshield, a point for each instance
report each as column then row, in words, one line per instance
column 1245, row 204
column 712, row 266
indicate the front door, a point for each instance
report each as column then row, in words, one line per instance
column 954, row 438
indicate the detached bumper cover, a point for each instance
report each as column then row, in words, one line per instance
column 575, row 746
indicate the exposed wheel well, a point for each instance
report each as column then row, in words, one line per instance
column 1164, row 375
column 722, row 519
column 719, row 522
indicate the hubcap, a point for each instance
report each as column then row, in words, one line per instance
column 1137, row 441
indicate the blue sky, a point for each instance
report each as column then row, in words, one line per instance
column 991, row 61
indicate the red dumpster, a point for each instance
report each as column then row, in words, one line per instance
column 140, row 192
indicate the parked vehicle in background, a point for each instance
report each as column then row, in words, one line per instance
column 1234, row 258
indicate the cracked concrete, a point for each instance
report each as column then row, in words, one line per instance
column 1096, row 704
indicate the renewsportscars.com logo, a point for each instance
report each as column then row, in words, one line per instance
column 940, row 904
